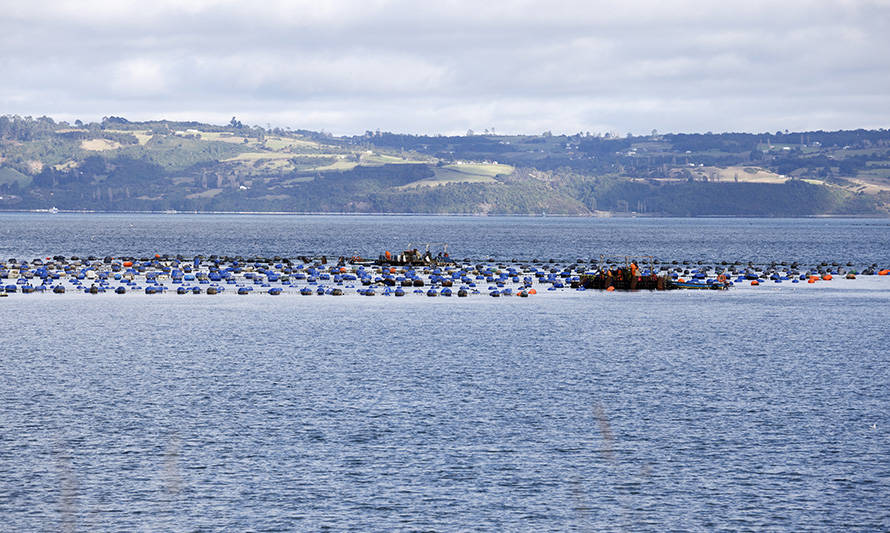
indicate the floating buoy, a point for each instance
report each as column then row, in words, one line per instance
column 827, row 277
column 884, row 272
column 755, row 282
column 610, row 289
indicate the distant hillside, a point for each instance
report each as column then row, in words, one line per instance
column 189, row 166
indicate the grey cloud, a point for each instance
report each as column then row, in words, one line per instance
column 519, row 66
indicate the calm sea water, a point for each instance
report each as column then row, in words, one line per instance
column 758, row 408
column 505, row 238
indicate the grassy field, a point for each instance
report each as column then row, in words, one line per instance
column 11, row 175
column 99, row 145
column 365, row 159
column 462, row 173
column 274, row 144
column 280, row 143
column 482, row 169
column 67, row 165
column 143, row 136
column 874, row 173
column 339, row 165
column 221, row 137
column 258, row 156
column 258, row 162
column 384, row 159
column 872, row 181
column 744, row 174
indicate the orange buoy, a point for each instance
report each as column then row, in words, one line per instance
column 128, row 264
column 827, row 277
column 610, row 289
column 755, row 282
column 812, row 280
column 392, row 270
column 884, row 272
column 681, row 280
column 342, row 269
column 157, row 256
column 532, row 291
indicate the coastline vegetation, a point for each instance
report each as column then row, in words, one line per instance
column 118, row 165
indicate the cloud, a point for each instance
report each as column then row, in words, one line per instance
column 517, row 65
column 138, row 77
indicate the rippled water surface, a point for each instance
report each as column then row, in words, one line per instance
column 754, row 409
column 763, row 240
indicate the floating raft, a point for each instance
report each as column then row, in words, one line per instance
column 316, row 276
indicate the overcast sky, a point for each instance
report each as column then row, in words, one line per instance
column 451, row 65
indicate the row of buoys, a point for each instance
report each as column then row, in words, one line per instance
column 277, row 276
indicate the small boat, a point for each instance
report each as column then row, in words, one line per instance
column 718, row 286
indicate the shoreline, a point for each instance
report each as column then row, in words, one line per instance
column 602, row 214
